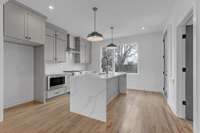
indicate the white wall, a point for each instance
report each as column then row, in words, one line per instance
column 1, row 60
column 181, row 9
column 150, row 77
column 18, row 74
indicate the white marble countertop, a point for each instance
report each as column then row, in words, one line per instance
column 90, row 93
column 110, row 75
column 104, row 75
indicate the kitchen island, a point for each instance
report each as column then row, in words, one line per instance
column 91, row 93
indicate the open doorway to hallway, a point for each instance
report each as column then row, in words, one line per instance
column 185, row 65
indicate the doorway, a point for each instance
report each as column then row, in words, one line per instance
column 185, row 61
column 189, row 72
column 165, row 62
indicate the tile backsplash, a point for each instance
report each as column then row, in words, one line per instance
column 59, row 68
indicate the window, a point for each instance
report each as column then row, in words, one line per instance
column 126, row 58
column 123, row 59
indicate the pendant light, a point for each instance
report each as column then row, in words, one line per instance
column 95, row 36
column 112, row 45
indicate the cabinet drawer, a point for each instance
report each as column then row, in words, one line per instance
column 57, row 92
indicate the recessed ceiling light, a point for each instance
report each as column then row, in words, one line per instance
column 143, row 28
column 51, row 7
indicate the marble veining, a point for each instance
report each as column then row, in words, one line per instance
column 89, row 94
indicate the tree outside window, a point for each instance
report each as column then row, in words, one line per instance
column 124, row 58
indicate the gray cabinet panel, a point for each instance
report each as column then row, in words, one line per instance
column 85, row 51
column 23, row 24
column 61, row 35
column 61, row 46
column 49, row 49
column 82, row 51
column 123, row 83
column 36, row 28
column 88, row 53
column 14, row 21
column 50, row 32
column 55, row 50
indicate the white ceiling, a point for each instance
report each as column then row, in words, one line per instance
column 127, row 16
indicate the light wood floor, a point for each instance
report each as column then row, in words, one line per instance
column 136, row 112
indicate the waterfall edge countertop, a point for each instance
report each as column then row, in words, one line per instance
column 92, row 92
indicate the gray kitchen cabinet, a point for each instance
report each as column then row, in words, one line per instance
column 72, row 42
column 61, row 35
column 56, row 45
column 82, row 51
column 85, row 51
column 14, row 21
column 88, row 53
column 50, row 32
column 36, row 28
column 61, row 46
column 50, row 49
column 123, row 83
column 22, row 23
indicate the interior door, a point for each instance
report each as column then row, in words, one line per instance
column 165, row 59
column 189, row 72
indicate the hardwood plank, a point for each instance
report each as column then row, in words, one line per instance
column 136, row 112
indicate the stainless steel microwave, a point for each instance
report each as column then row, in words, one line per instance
column 56, row 82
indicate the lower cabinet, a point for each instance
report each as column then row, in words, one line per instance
column 56, row 92
column 112, row 88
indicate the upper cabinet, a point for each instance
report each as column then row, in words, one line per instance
column 82, row 51
column 50, row 49
column 35, row 28
column 88, row 52
column 23, row 25
column 56, row 44
column 85, row 51
column 61, row 46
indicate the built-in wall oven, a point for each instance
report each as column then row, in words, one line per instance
column 56, row 82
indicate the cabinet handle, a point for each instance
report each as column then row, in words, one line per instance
column 29, row 38
column 26, row 37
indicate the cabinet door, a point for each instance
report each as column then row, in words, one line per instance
column 50, row 32
column 82, row 51
column 14, row 21
column 72, row 42
column 88, row 53
column 36, row 28
column 61, row 35
column 49, row 49
column 61, row 46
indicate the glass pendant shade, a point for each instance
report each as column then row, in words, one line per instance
column 95, row 36
column 112, row 45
